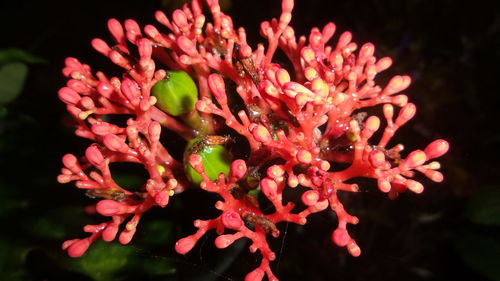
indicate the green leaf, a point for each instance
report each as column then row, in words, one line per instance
column 18, row 55
column 12, row 77
column 484, row 206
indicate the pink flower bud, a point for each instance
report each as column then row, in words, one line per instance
column 231, row 220
column 365, row 53
column 310, row 197
column 384, row 185
column 218, row 88
column 77, row 249
column 397, row 84
column 261, row 134
column 328, row 31
column 110, row 208
column 109, row 233
column 196, row 161
column 104, row 128
column 315, row 39
column 133, row 30
column 187, row 45
column 269, row 187
column 400, row 100
column 101, row 46
column 79, row 86
column 308, row 54
column 383, row 64
column 275, row 171
column 354, row 249
column 63, row 178
column 87, row 184
column 293, row 181
column 414, row 159
column 162, row 198
column 145, row 48
column 245, row 51
column 344, row 39
column 179, row 18
column 341, row 237
column 436, row 148
column 69, row 96
column 116, row 30
column 388, row 110
column 237, row 170
column 434, row 175
column 406, row 113
column 185, row 245
column 256, row 275
column 126, row 236
column 115, row 143
column 105, row 89
column 154, row 131
column 286, row 6
column 304, row 156
column 94, row 156
column 224, row 241
column 151, row 31
column 131, row 91
column 70, row 162
column 371, row 125
column 414, row 186
column 87, row 103
column 162, row 18
column 376, row 158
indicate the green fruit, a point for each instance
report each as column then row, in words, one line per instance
column 176, row 94
column 215, row 157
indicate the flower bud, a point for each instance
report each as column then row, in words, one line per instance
column 238, row 169
column 185, row 245
column 231, row 220
column 436, row 148
column 78, row 248
column 255, row 275
column 110, row 208
column 177, row 93
column 269, row 187
column 310, row 198
column 224, row 241
column 341, row 237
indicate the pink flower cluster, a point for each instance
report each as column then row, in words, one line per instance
column 299, row 125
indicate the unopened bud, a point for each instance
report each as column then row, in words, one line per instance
column 255, row 275
column 269, row 187
column 78, row 248
column 436, row 148
column 94, row 156
column 185, row 245
column 218, row 88
column 310, row 198
column 340, row 237
column 231, row 220
column 238, row 169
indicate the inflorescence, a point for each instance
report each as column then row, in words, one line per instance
column 294, row 126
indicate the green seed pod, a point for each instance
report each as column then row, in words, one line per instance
column 216, row 158
column 177, row 93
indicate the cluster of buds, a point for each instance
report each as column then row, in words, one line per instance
column 201, row 80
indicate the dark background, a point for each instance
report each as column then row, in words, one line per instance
column 450, row 232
